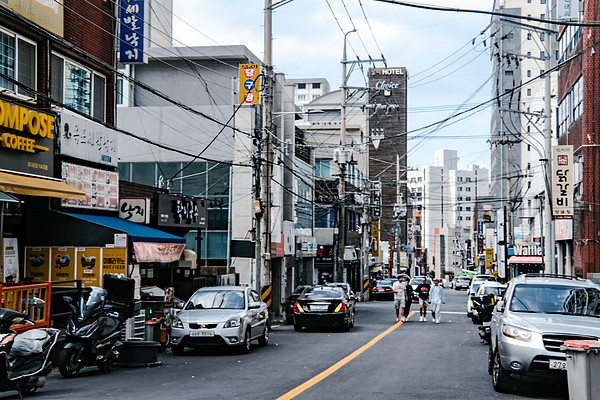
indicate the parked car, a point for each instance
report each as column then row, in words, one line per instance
column 487, row 278
column 230, row 316
column 462, row 282
column 495, row 289
column 416, row 281
column 324, row 306
column 470, row 292
column 538, row 313
column 290, row 301
column 383, row 290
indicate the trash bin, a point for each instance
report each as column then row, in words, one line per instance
column 583, row 368
column 152, row 330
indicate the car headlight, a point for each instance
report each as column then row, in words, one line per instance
column 516, row 333
column 233, row 323
column 177, row 323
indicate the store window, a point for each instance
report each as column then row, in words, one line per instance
column 17, row 62
column 322, row 169
column 78, row 87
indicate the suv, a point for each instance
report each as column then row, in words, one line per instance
column 537, row 315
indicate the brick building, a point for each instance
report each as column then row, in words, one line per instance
column 579, row 125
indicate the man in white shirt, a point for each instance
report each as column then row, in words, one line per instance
column 437, row 298
column 399, row 289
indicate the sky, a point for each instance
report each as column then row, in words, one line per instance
column 446, row 55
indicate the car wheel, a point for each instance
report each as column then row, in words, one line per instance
column 177, row 350
column 501, row 379
column 297, row 327
column 263, row 340
column 245, row 349
column 490, row 359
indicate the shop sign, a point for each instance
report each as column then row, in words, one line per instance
column 325, row 253
column 135, row 209
column 101, row 187
column 562, row 181
column 26, row 140
column 563, row 229
column 37, row 263
column 375, row 238
column 531, row 250
column 289, row 237
column 114, row 261
column 567, row 10
column 10, row 260
column 88, row 140
column 89, row 268
column 46, row 13
column 489, row 258
column 249, row 84
column 132, row 39
column 181, row 211
column 306, row 246
column 63, row 264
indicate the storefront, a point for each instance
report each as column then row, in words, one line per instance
column 520, row 265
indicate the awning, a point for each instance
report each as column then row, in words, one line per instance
column 31, row 186
column 8, row 198
column 525, row 260
column 150, row 245
column 136, row 232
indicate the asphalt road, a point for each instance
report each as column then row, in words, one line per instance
column 378, row 359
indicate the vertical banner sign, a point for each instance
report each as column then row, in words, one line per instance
column 10, row 256
column 37, row 263
column 489, row 258
column 63, row 264
column 375, row 236
column 131, row 32
column 114, row 261
column 89, row 268
column 562, row 181
column 249, row 84
column 567, row 10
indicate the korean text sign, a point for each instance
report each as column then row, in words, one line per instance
column 131, row 32
column 562, row 181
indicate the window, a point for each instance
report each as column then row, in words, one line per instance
column 78, row 87
column 542, row 16
column 468, row 218
column 510, row 35
column 528, row 54
column 302, row 86
column 542, row 54
column 468, row 188
column 322, row 169
column 542, row 36
column 17, row 61
column 528, row 92
column 468, row 208
column 571, row 107
column 301, row 97
column 316, row 86
column 314, row 96
column 542, row 1
column 529, row 73
column 508, row 73
column 528, row 35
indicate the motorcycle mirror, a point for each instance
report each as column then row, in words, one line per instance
column 37, row 302
column 68, row 299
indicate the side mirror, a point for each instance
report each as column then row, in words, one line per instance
column 500, row 306
column 37, row 302
column 254, row 306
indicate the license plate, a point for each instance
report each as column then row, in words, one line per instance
column 558, row 364
column 319, row 308
column 202, row 333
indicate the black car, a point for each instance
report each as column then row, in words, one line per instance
column 324, row 306
column 290, row 301
column 383, row 290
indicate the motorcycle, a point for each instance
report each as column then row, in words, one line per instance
column 24, row 357
column 484, row 305
column 92, row 334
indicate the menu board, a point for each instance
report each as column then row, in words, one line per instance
column 101, row 187
column 37, row 263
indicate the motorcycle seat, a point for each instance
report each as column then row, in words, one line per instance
column 28, row 342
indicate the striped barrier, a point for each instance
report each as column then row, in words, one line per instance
column 20, row 299
column 366, row 285
column 266, row 295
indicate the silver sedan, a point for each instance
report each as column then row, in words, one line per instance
column 221, row 316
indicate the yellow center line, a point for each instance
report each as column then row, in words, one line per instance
column 313, row 381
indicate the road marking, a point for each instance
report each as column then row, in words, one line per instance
column 455, row 312
column 313, row 381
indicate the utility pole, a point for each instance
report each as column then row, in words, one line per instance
column 549, row 263
column 342, row 160
column 267, row 137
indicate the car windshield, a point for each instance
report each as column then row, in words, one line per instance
column 555, row 299
column 475, row 286
column 219, row 299
column 485, row 278
column 463, row 279
column 384, row 283
column 324, row 293
column 418, row 281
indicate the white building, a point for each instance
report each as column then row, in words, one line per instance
column 307, row 90
column 450, row 201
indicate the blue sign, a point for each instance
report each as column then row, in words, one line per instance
column 249, row 84
column 480, row 227
column 131, row 32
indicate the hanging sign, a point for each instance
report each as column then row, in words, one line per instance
column 562, row 181
column 249, row 84
column 132, row 35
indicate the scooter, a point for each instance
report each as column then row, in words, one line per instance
column 92, row 335
column 24, row 357
column 484, row 305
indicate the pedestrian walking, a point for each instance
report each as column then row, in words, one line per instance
column 399, row 288
column 437, row 298
column 409, row 299
column 423, row 291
